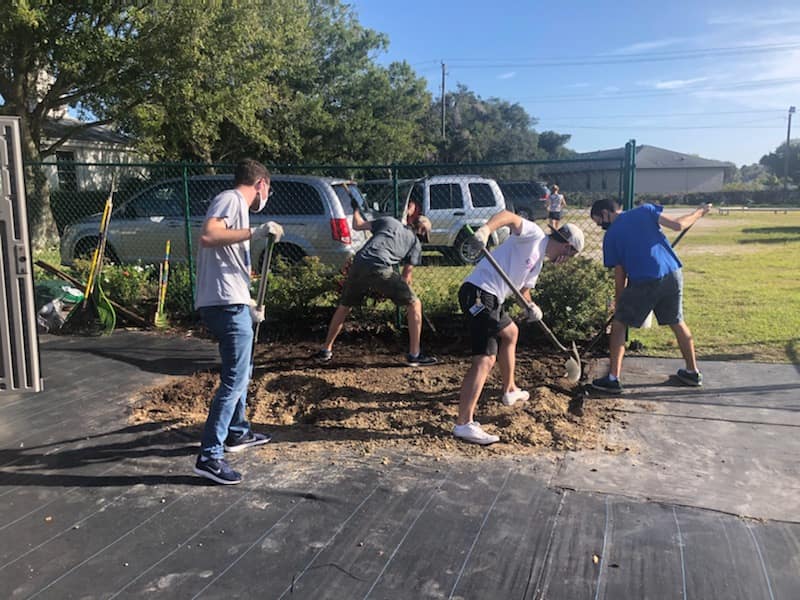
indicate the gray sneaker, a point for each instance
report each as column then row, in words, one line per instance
column 323, row 356
column 689, row 378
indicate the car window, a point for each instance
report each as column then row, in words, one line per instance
column 446, row 195
column 348, row 193
column 294, row 198
column 482, row 195
column 158, row 201
column 203, row 191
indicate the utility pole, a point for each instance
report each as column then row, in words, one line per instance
column 786, row 156
column 443, row 100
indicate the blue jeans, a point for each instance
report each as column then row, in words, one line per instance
column 232, row 325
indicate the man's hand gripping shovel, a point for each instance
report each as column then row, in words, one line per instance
column 573, row 364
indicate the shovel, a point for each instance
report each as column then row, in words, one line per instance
column 261, row 295
column 573, row 364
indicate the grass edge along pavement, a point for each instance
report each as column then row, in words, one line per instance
column 741, row 290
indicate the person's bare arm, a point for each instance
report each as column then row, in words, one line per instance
column 620, row 277
column 360, row 223
column 505, row 218
column 684, row 221
column 216, row 233
column 406, row 274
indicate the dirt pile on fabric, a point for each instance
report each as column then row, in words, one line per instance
column 366, row 399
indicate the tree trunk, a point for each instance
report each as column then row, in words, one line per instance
column 42, row 226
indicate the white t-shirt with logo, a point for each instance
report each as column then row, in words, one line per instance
column 521, row 257
column 223, row 272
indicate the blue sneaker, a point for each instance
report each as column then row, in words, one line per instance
column 217, row 470
column 689, row 378
column 606, row 385
column 245, row 441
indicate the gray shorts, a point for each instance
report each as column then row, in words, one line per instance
column 662, row 296
column 364, row 279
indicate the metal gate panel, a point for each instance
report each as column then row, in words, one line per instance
column 19, row 344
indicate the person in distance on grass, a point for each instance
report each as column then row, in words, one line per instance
column 223, row 299
column 392, row 243
column 647, row 277
column 492, row 332
column 555, row 202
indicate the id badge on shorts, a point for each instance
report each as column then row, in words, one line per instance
column 476, row 308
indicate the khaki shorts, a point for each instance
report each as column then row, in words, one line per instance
column 363, row 279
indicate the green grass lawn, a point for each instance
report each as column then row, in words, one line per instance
column 741, row 289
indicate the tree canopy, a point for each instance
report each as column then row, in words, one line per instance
column 775, row 161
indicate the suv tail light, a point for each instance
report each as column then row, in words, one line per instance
column 340, row 230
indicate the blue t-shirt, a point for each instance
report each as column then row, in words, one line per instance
column 635, row 241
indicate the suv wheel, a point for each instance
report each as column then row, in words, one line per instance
column 462, row 253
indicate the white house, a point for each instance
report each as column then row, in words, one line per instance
column 91, row 145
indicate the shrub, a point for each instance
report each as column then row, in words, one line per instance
column 574, row 297
column 295, row 290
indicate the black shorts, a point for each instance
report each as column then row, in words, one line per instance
column 554, row 215
column 486, row 325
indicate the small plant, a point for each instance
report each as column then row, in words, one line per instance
column 295, row 290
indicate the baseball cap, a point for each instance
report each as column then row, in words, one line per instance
column 571, row 234
column 425, row 224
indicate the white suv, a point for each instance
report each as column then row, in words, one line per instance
column 453, row 203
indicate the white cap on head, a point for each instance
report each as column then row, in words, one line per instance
column 572, row 234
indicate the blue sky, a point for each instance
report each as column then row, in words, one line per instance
column 714, row 78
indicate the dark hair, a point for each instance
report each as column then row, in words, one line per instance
column 249, row 171
column 599, row 206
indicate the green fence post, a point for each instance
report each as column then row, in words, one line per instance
column 187, row 224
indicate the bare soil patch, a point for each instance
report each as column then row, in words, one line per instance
column 367, row 400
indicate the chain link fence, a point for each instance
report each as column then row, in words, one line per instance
column 159, row 203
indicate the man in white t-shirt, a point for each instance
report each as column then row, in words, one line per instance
column 492, row 332
column 223, row 299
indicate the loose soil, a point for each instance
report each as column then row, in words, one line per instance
column 367, row 400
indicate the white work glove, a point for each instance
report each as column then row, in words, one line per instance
column 262, row 231
column 533, row 314
column 480, row 238
column 256, row 314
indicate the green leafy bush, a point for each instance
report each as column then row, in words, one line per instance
column 574, row 297
column 295, row 290
column 132, row 286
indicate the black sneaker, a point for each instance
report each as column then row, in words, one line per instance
column 217, row 470
column 245, row 441
column 420, row 360
column 323, row 356
column 693, row 379
column 604, row 384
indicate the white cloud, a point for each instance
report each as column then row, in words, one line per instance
column 674, row 84
column 769, row 19
column 640, row 47
column 507, row 75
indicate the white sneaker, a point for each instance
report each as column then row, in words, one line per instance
column 474, row 433
column 514, row 396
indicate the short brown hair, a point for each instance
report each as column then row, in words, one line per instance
column 249, row 171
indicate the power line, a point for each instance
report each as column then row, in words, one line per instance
column 661, row 115
column 479, row 63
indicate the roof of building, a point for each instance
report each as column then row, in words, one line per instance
column 647, row 157
column 58, row 128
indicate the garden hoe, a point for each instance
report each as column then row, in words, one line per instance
column 573, row 364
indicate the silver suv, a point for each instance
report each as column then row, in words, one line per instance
column 453, row 203
column 314, row 212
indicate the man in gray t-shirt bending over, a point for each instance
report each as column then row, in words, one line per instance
column 391, row 244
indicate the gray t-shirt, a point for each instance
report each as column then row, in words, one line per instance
column 391, row 243
column 223, row 272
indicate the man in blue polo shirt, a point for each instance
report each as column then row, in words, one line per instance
column 647, row 277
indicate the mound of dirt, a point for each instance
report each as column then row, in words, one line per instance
column 366, row 399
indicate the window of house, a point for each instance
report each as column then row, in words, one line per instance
column 67, row 174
